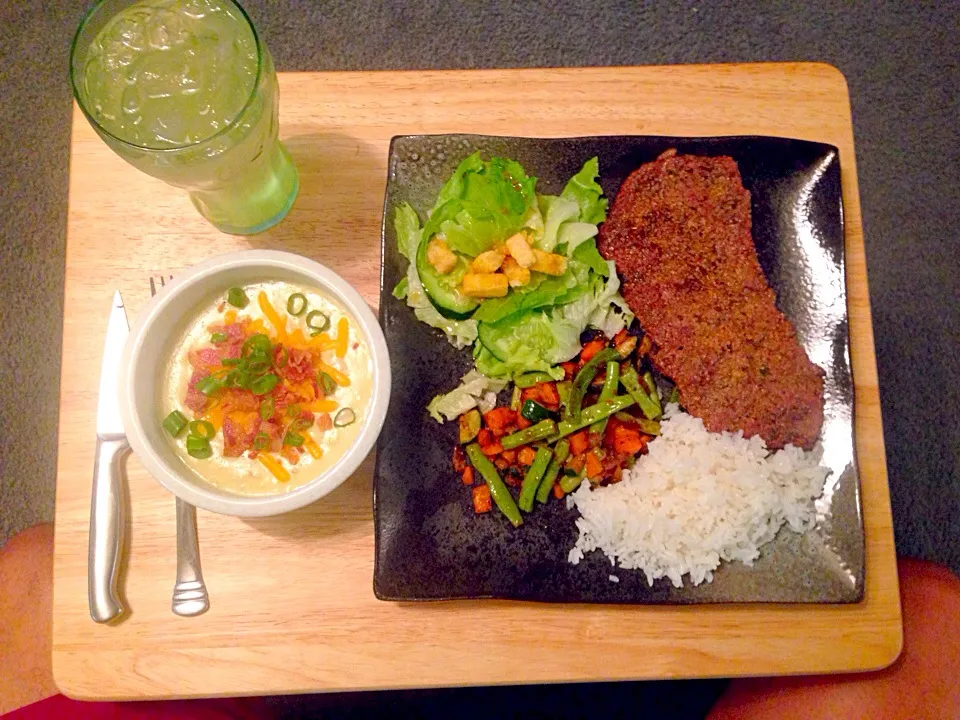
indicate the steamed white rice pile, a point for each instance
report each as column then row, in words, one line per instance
column 695, row 499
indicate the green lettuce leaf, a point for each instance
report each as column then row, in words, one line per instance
column 460, row 333
column 556, row 211
column 481, row 203
column 473, row 386
column 588, row 254
column 586, row 192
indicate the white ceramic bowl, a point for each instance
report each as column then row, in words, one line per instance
column 158, row 328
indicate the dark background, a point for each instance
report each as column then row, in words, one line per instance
column 903, row 69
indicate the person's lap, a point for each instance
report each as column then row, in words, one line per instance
column 923, row 683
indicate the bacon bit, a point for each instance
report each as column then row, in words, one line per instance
column 290, row 454
column 343, row 333
column 591, row 349
column 299, row 366
column 459, row 459
column 594, row 466
column 196, row 400
column 235, row 399
column 204, row 359
column 579, row 443
column 338, row 377
column 526, row 455
column 272, row 430
column 221, row 306
column 239, row 429
column 500, row 420
column 274, row 466
column 323, row 421
column 355, row 345
column 482, row 502
column 467, row 477
column 558, row 491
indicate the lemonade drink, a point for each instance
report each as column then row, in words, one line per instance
column 185, row 91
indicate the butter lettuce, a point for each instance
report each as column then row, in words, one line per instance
column 469, row 394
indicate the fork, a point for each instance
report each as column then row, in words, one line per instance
column 190, row 592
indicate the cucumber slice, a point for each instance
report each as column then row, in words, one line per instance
column 443, row 290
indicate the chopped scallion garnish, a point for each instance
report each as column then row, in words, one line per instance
column 174, row 423
column 317, row 328
column 202, row 429
column 218, row 337
column 297, row 304
column 328, row 386
column 264, row 384
column 293, row 439
column 237, row 297
column 345, row 416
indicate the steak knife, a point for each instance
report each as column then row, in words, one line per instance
column 107, row 514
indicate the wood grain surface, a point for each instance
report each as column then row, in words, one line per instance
column 292, row 606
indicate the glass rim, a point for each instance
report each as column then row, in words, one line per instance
column 168, row 148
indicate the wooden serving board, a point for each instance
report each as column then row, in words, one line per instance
column 292, row 605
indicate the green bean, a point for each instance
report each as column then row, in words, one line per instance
column 610, row 385
column 531, row 481
column 631, row 382
column 543, row 429
column 654, row 395
column 569, row 483
column 582, row 381
column 498, row 490
column 527, row 380
column 594, row 413
column 560, row 454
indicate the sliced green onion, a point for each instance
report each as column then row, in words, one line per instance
column 266, row 408
column 301, row 424
column 202, row 429
column 317, row 329
column 264, row 384
column 327, row 384
column 174, row 423
column 256, row 343
column 237, row 297
column 198, row 447
column 229, row 362
column 260, row 441
column 209, row 385
column 258, row 367
column 345, row 416
column 218, row 337
column 293, row 308
column 293, row 410
column 292, row 438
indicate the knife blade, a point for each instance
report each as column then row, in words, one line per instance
column 107, row 512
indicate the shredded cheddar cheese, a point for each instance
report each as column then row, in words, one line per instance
column 278, row 322
column 311, row 445
column 274, row 466
column 338, row 377
column 343, row 334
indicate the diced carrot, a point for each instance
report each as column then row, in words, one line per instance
column 577, row 462
column 492, row 449
column 594, row 466
column 522, row 422
column 500, row 420
column 343, row 335
column 549, row 396
column 482, row 501
column 459, row 459
column 274, row 466
column 526, row 455
column 558, row 491
column 530, row 393
column 278, row 322
column 620, row 337
column 511, row 479
column 591, row 349
column 311, row 445
column 509, row 455
column 338, row 377
column 627, row 441
column 579, row 443
column 485, row 437
column 500, row 463
column 569, row 369
column 467, row 477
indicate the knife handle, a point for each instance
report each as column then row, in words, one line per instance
column 107, row 519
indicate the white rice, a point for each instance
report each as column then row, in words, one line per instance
column 695, row 499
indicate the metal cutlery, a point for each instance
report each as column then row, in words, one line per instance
column 107, row 511
column 189, row 592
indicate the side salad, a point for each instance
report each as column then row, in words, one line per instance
column 511, row 273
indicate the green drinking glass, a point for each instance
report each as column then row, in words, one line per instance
column 186, row 91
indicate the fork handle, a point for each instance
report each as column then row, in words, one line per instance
column 190, row 593
column 107, row 518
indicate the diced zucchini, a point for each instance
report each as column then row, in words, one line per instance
column 469, row 424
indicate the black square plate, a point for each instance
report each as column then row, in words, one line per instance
column 429, row 543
